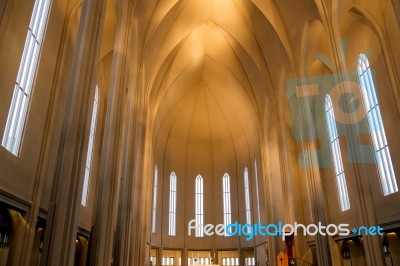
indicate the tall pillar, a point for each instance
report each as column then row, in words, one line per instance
column 105, row 234
column 184, row 257
column 214, row 256
column 241, row 256
column 61, row 228
column 134, row 202
column 372, row 244
column 217, row 259
column 323, row 252
column 159, row 256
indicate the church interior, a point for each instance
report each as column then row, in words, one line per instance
column 199, row 132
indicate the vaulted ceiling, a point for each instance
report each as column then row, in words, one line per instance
column 212, row 67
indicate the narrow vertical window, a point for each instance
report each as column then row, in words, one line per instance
column 172, row 204
column 247, row 195
column 336, row 155
column 226, row 193
column 199, row 208
column 89, row 154
column 375, row 123
column 257, row 194
column 26, row 74
column 154, row 210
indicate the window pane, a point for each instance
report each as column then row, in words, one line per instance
column 23, row 85
column 257, row 194
column 336, row 155
column 382, row 155
column 199, row 211
column 153, row 222
column 172, row 204
column 89, row 154
column 247, row 196
column 226, row 192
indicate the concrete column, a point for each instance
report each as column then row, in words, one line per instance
column 105, row 231
column 372, row 244
column 214, row 256
column 134, row 202
column 184, row 257
column 159, row 256
column 241, row 256
column 318, row 208
column 66, row 193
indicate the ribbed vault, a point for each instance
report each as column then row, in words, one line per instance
column 226, row 47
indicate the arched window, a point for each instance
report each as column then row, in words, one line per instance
column 378, row 135
column 90, row 148
column 199, row 208
column 247, row 195
column 154, row 210
column 172, row 204
column 25, row 78
column 226, row 192
column 257, row 193
column 336, row 155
